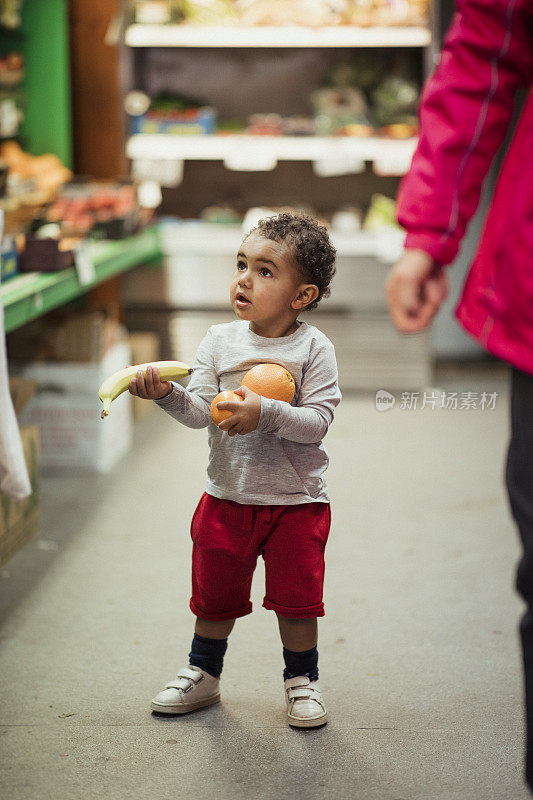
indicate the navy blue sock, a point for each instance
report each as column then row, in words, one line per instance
column 303, row 663
column 208, row 654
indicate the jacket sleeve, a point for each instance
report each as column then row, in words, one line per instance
column 319, row 394
column 191, row 406
column 465, row 111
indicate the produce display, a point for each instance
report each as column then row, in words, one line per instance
column 46, row 213
column 12, row 69
column 380, row 215
column 10, row 13
column 94, row 209
column 117, row 383
column 364, row 94
column 221, row 215
column 395, row 101
column 11, row 113
column 337, row 110
column 32, row 179
column 212, row 12
column 12, row 97
column 314, row 13
column 80, row 210
column 171, row 114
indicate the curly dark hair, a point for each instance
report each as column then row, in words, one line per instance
column 312, row 249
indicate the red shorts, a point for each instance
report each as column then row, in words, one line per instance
column 227, row 539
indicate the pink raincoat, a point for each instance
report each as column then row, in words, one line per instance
column 465, row 112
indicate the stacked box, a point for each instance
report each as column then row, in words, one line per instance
column 190, row 122
column 66, row 408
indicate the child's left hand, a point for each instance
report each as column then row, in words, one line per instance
column 245, row 417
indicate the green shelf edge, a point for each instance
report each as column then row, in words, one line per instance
column 47, row 291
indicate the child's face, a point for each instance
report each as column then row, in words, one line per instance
column 267, row 288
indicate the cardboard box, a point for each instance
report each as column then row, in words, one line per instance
column 66, row 408
column 144, row 346
column 19, row 521
column 21, row 391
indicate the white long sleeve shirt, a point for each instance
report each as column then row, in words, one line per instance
column 283, row 461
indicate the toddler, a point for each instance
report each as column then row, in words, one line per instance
column 266, row 494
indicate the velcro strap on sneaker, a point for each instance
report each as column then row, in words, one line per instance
column 309, row 692
column 185, row 679
column 301, row 680
column 301, row 695
column 296, row 693
column 179, row 683
column 192, row 674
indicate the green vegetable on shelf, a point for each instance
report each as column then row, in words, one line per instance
column 395, row 100
column 362, row 69
column 174, row 102
column 382, row 213
column 208, row 12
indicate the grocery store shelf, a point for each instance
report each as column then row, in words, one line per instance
column 31, row 295
column 267, row 36
column 196, row 237
column 250, row 153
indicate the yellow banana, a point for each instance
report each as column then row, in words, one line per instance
column 119, row 381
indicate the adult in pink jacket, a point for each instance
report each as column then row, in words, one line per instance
column 466, row 110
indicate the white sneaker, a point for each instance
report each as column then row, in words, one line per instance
column 305, row 707
column 191, row 689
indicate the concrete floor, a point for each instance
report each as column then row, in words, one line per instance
column 419, row 653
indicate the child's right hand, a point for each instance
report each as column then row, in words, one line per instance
column 245, row 416
column 150, row 387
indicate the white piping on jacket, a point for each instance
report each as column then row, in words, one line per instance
column 482, row 118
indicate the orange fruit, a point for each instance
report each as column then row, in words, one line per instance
column 270, row 380
column 227, row 396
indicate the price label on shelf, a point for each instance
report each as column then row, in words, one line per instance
column 391, row 166
column 83, row 263
column 394, row 157
column 250, row 159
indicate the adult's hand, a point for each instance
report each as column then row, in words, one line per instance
column 416, row 288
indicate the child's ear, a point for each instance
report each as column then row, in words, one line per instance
column 306, row 294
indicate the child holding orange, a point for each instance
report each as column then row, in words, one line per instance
column 266, row 494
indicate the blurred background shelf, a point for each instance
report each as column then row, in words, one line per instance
column 27, row 297
column 261, row 153
column 270, row 36
column 203, row 238
column 241, row 73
